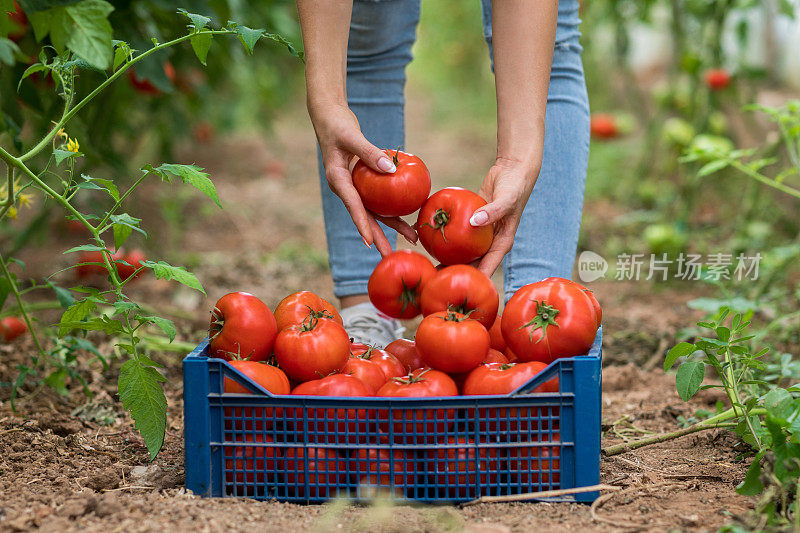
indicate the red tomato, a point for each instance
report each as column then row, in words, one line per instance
column 397, row 194
column 389, row 364
column 496, row 336
column 531, row 465
column 203, row 132
column 549, row 319
column 717, row 79
column 134, row 259
column 604, row 126
column 597, row 309
column 458, row 466
column 397, row 281
column 271, row 378
column 451, row 342
column 145, row 86
column 493, row 356
column 11, row 328
column 321, row 468
column 464, row 289
column 242, row 326
column 406, row 352
column 444, row 229
column 374, row 467
column 365, row 371
column 295, row 308
column 511, row 356
column 312, row 349
column 249, row 464
column 417, row 426
column 90, row 263
column 331, row 426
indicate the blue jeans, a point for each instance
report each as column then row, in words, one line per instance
column 381, row 35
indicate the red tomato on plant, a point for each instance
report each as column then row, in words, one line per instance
column 331, row 426
column 397, row 281
column 549, row 319
column 90, row 263
column 312, row 349
column 145, row 86
column 295, row 308
column 134, row 259
column 365, row 371
column 417, row 426
column 322, row 469
column 604, row 126
column 248, row 465
column 444, row 229
column 389, row 364
column 451, row 342
column 717, row 79
column 458, row 466
column 406, row 352
column 11, row 328
column 464, row 289
column 374, row 467
column 242, row 326
column 496, row 336
column 397, row 194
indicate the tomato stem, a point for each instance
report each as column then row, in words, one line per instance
column 440, row 220
column 545, row 316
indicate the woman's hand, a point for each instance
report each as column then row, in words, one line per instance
column 341, row 141
column 507, row 187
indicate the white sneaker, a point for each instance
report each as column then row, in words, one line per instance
column 365, row 324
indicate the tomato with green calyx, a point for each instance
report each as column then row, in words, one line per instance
column 452, row 342
column 549, row 319
column 406, row 352
column 396, row 283
column 444, row 229
column 313, row 349
column 464, row 289
column 11, row 328
column 397, row 194
column 389, row 364
column 242, row 327
column 296, row 307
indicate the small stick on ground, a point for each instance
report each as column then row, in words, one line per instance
column 617, row 449
column 539, row 495
column 638, row 491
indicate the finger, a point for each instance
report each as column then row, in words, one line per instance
column 340, row 183
column 402, row 227
column 371, row 155
column 501, row 244
column 494, row 211
column 381, row 242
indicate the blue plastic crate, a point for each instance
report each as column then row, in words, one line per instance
column 451, row 449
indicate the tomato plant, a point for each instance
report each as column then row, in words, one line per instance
column 452, row 342
column 464, row 289
column 312, row 349
column 549, row 319
column 396, row 283
column 296, row 307
column 397, row 194
column 242, row 327
column 444, row 229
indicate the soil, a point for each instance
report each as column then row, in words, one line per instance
column 71, row 464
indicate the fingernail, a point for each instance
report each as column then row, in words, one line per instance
column 386, row 165
column 412, row 241
column 366, row 243
column 479, row 218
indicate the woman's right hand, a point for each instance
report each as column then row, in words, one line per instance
column 341, row 141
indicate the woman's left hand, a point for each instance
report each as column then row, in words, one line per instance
column 506, row 188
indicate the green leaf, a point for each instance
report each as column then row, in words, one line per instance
column 141, row 394
column 779, row 403
column 249, row 37
column 289, row 46
column 166, row 325
column 85, row 248
column 689, row 378
column 8, row 49
column 121, row 234
column 61, row 155
column 123, row 307
column 33, row 69
column 122, row 53
column 91, row 33
column 64, row 297
column 200, row 44
column 31, row 6
column 100, row 184
column 682, row 349
column 105, row 324
column 163, row 270
column 710, row 168
column 74, row 314
column 190, row 174
column 198, row 21
column 123, row 225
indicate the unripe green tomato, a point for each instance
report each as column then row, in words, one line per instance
column 678, row 132
column 718, row 123
column 664, row 239
column 711, row 146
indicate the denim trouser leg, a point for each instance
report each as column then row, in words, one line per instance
column 547, row 237
column 381, row 36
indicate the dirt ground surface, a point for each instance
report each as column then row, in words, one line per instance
column 61, row 469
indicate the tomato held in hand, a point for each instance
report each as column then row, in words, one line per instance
column 296, row 307
column 418, row 426
column 458, row 465
column 549, row 319
column 464, row 289
column 389, row 364
column 451, row 342
column 242, row 327
column 406, row 352
column 312, row 349
column 397, row 194
column 397, row 281
column 444, row 229
column 11, row 328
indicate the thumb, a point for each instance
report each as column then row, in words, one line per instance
column 490, row 213
column 371, row 155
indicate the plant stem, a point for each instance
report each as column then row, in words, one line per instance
column 791, row 191
column 12, row 283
